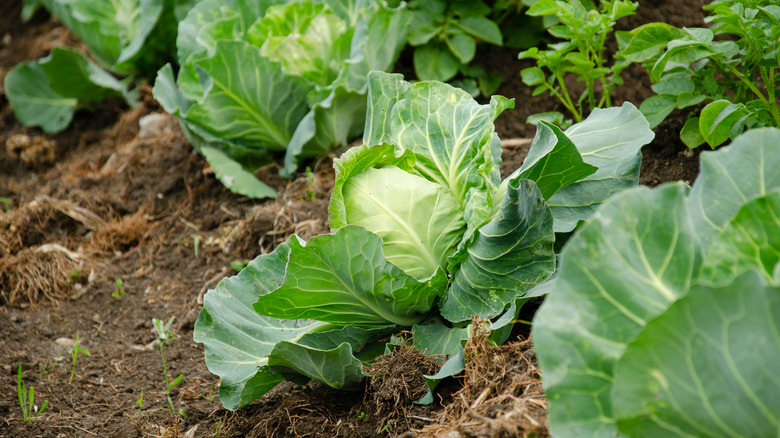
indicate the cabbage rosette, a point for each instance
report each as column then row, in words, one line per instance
column 425, row 236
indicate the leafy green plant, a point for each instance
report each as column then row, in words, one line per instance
column 7, row 202
column 165, row 334
column 126, row 37
column 663, row 318
column 733, row 66
column 264, row 79
column 424, row 236
column 583, row 31
column 74, row 357
column 445, row 36
column 119, row 290
column 75, row 276
column 27, row 398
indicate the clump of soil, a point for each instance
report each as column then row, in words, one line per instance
column 396, row 382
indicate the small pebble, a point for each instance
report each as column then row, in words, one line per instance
column 65, row 342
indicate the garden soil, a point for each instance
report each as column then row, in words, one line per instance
column 117, row 221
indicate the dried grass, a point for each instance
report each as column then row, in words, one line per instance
column 30, row 277
column 502, row 394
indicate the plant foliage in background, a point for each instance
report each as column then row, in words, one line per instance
column 127, row 37
column 425, row 236
column 583, row 30
column 445, row 35
column 663, row 320
column 733, row 66
column 262, row 78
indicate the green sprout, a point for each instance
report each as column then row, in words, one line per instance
column 164, row 334
column 76, row 351
column 238, row 265
column 119, row 291
column 26, row 399
column 196, row 244
column 7, row 202
column 75, row 276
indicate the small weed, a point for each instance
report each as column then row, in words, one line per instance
column 362, row 415
column 196, row 244
column 164, row 334
column 216, row 431
column 210, row 396
column 238, row 265
column 140, row 401
column 312, row 182
column 75, row 276
column 119, row 291
column 75, row 355
column 27, row 398
column 7, row 202
column 44, row 368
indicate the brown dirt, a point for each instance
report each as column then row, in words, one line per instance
column 104, row 201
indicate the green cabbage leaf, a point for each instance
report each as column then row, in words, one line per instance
column 663, row 318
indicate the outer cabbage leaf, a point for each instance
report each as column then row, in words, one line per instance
column 731, row 177
column 641, row 252
column 707, row 367
column 336, row 367
column 344, row 278
column 620, row 270
column 609, row 139
column 72, row 74
column 238, row 106
column 434, row 337
column 510, row 254
column 553, row 162
column 48, row 91
column 33, row 101
column 384, row 91
column 227, row 168
column 94, row 24
column 125, row 36
column 233, row 176
column 326, row 356
column 237, row 340
column 750, row 241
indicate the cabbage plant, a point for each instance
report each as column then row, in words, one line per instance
column 663, row 319
column 131, row 38
column 259, row 79
column 425, row 236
